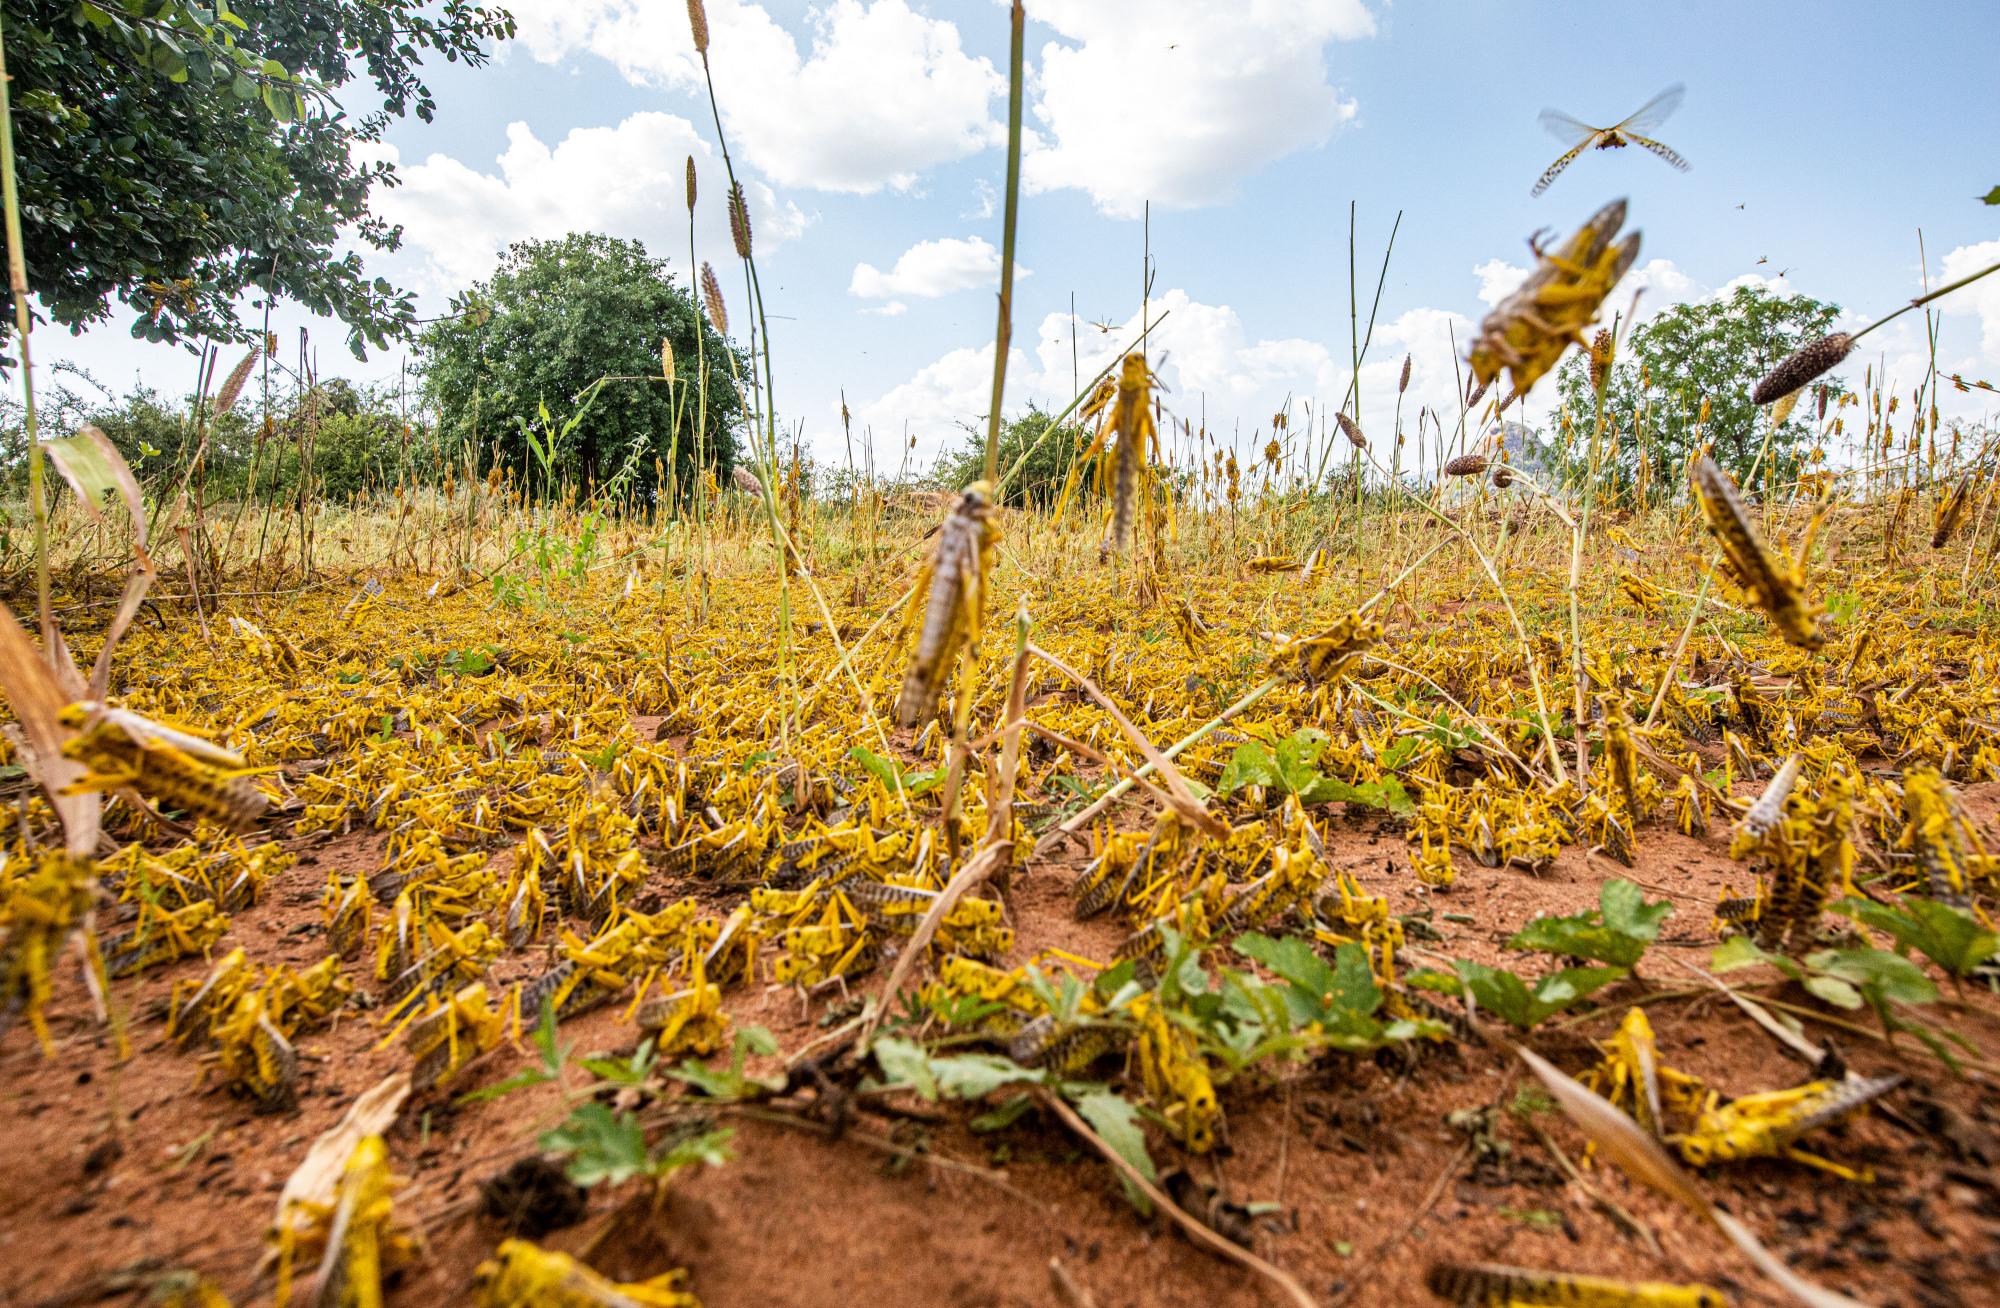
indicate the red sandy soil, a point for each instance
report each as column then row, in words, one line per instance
column 114, row 1172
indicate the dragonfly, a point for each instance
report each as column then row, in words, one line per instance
column 1582, row 136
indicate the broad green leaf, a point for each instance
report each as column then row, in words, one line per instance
column 603, row 1146
column 904, row 1062
column 96, row 471
column 1617, row 933
column 1116, row 1121
column 1877, row 973
column 1290, row 957
column 1250, row 765
column 974, row 1076
column 1832, row 990
column 1954, row 940
column 1627, row 912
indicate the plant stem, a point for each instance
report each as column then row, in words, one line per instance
column 1003, row 334
column 17, row 281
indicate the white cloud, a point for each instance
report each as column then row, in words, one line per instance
column 883, row 93
column 627, row 181
column 929, row 269
column 1176, row 101
column 1981, row 298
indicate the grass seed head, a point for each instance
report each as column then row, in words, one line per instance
column 711, row 295
column 1601, row 348
column 1466, row 465
column 1821, row 356
column 1404, row 384
column 690, row 185
column 739, row 220
column 232, row 385
column 1352, row 430
column 698, row 24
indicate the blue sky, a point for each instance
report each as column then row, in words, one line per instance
column 1821, row 138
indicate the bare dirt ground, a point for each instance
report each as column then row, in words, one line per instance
column 115, row 1172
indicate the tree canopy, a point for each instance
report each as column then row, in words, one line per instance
column 1708, row 352
column 521, row 352
column 173, row 156
column 1040, row 480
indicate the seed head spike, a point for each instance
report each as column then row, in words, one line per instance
column 739, row 220
column 698, row 23
column 711, row 296
column 1821, row 356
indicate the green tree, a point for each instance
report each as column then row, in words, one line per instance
column 1709, row 352
column 553, row 319
column 1040, row 480
column 175, row 155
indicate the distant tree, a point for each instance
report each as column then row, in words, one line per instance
column 1711, row 351
column 174, row 155
column 1040, row 480
column 555, row 317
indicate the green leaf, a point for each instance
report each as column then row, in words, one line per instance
column 1004, row 1116
column 1400, row 753
column 1955, row 940
column 905, row 1063
column 1617, row 933
column 603, row 1146
column 1739, row 952
column 1388, row 793
column 1497, row 992
column 711, row 1149
column 1878, row 974
column 1116, row 1122
column 974, row 1076
column 1627, row 912
column 1250, row 765
column 1292, row 958
column 1507, row 995
column 1832, row 990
